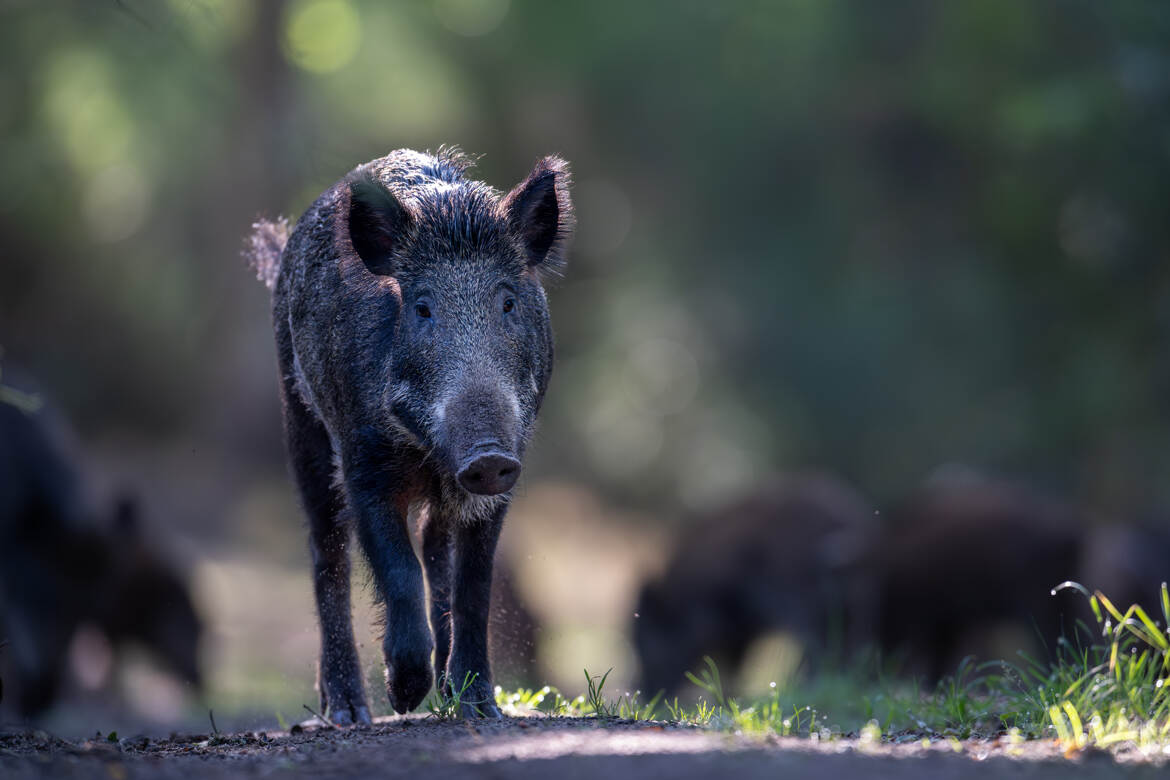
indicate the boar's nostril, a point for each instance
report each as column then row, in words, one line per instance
column 489, row 474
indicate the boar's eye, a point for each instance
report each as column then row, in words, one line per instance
column 509, row 305
column 422, row 310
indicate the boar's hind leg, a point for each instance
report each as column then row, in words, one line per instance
column 475, row 547
column 437, row 562
column 382, row 531
column 339, row 678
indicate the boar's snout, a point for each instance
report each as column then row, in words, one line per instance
column 479, row 437
column 488, row 472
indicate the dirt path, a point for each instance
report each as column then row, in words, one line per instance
column 564, row 749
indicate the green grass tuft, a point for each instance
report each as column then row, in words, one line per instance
column 1114, row 693
column 447, row 702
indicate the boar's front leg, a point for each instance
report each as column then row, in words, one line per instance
column 378, row 504
column 475, row 548
column 339, row 679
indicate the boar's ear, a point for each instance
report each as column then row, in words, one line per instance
column 377, row 222
column 540, row 213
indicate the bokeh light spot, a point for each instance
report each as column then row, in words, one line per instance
column 662, row 376
column 471, row 17
column 322, row 36
column 86, row 114
column 622, row 441
column 213, row 24
column 115, row 203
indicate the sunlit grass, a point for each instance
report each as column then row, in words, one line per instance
column 1115, row 693
column 447, row 702
column 1106, row 695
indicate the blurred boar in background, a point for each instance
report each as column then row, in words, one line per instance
column 61, row 568
column 414, row 345
column 965, row 558
column 512, row 631
column 1127, row 563
column 790, row 557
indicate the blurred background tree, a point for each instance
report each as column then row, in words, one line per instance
column 870, row 237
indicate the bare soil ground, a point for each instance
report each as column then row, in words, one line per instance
column 563, row 748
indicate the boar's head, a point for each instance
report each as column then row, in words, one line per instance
column 471, row 349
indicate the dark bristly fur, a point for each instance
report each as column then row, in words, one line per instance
column 415, row 348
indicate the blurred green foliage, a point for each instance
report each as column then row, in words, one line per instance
column 872, row 236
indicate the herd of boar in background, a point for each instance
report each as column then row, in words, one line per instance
column 927, row 581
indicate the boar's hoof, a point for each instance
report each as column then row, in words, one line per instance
column 489, row 473
column 485, row 709
column 407, row 683
column 357, row 714
column 342, row 700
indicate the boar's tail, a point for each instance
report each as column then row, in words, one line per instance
column 263, row 247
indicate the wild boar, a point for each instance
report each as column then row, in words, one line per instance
column 963, row 558
column 790, row 556
column 1127, row 562
column 414, row 346
column 63, row 565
